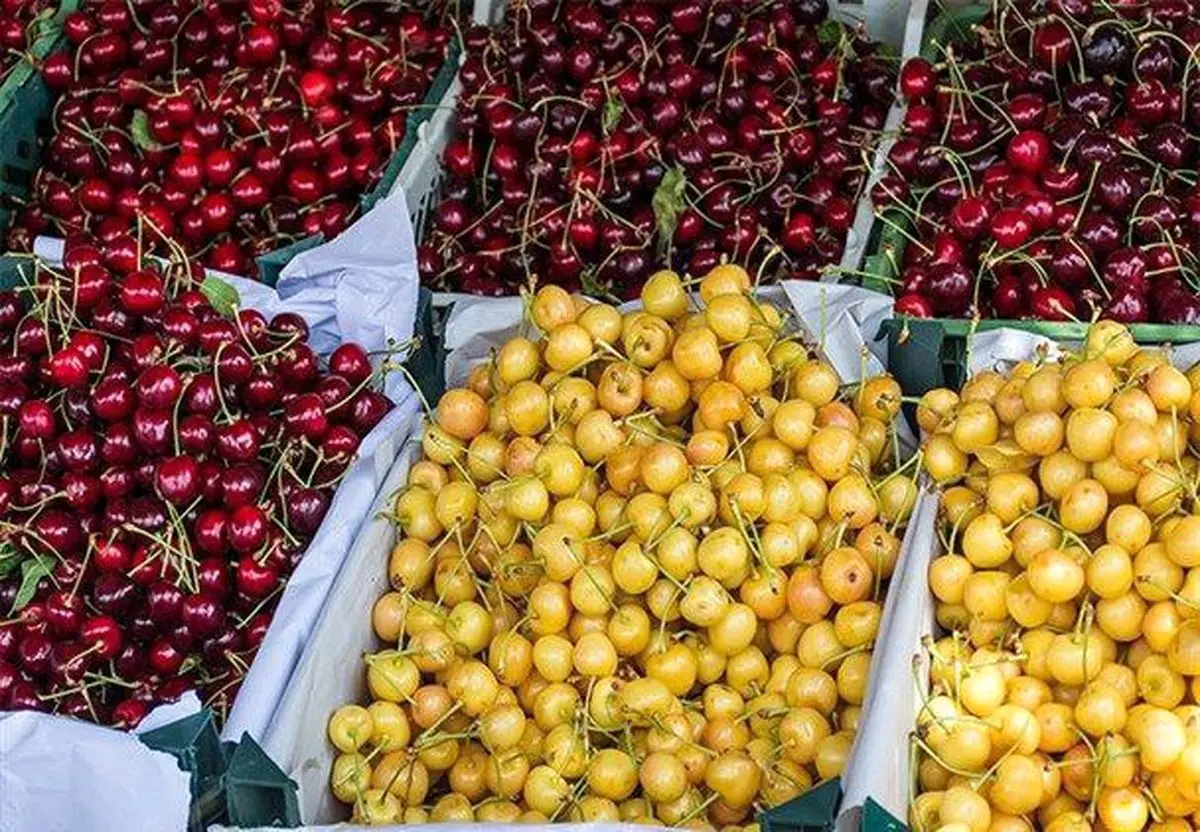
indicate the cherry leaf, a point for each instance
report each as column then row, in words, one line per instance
column 223, row 297
column 32, row 571
column 139, row 129
column 668, row 204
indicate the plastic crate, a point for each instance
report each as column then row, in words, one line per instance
column 273, row 262
column 924, row 353
column 928, row 353
column 26, row 104
column 814, row 811
column 896, row 23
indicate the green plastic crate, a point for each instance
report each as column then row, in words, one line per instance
column 273, row 262
column 196, row 745
column 924, row 353
column 26, row 104
column 237, row 784
column 928, row 353
column 427, row 365
column 814, row 811
column 257, row 792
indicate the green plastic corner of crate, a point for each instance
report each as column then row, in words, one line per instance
column 194, row 742
column 25, row 105
column 951, row 26
column 915, row 352
column 271, row 264
column 813, row 811
column 437, row 89
column 427, row 365
column 257, row 792
column 875, row 818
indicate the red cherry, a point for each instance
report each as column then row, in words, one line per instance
column 103, row 632
column 799, row 233
column 68, row 368
column 1011, row 228
column 917, row 79
column 142, row 292
column 316, row 88
column 247, row 529
column 1028, row 152
column 254, row 578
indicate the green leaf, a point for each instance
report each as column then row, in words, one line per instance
column 613, row 108
column 829, row 32
column 887, row 51
column 139, row 128
column 32, row 571
column 10, row 559
column 668, row 204
column 223, row 297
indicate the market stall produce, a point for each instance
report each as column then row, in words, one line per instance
column 236, row 128
column 1046, row 167
column 596, row 140
column 637, row 573
column 167, row 457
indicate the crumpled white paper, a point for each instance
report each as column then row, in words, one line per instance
column 845, row 321
column 330, row 673
column 63, row 774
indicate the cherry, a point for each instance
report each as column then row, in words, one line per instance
column 350, row 361
column 969, row 217
column 102, row 633
column 367, row 409
column 159, row 387
column 306, row 508
column 1052, row 303
column 241, row 485
column 917, row 79
column 304, row 416
column 213, row 576
column 247, row 528
column 950, row 288
column 129, row 713
column 238, row 441
column 34, row 653
column 142, row 292
column 35, row 419
column 111, row 555
column 1011, row 228
column 164, row 657
column 64, row 613
column 177, row 480
column 208, row 531
column 1028, row 151
column 202, row 615
column 255, row 579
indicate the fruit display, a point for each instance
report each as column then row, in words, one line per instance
column 595, row 140
column 638, row 573
column 235, row 128
column 1064, row 679
column 22, row 23
column 164, row 462
column 1047, row 168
